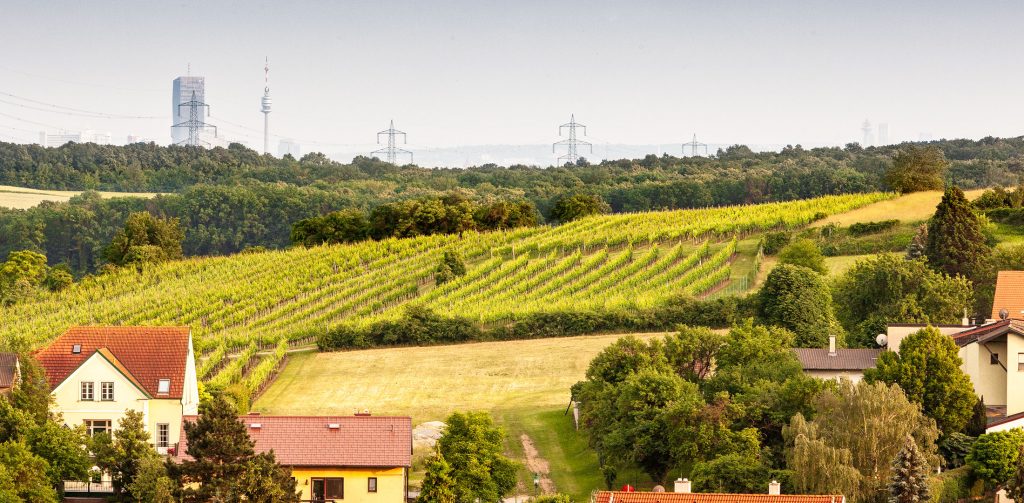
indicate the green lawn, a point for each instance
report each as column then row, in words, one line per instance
column 839, row 265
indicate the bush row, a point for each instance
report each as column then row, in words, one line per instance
column 421, row 327
column 862, row 228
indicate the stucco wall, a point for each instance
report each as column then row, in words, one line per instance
column 390, row 483
column 853, row 376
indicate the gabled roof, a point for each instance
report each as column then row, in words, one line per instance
column 145, row 355
column 8, row 369
column 653, row 497
column 1009, row 294
column 843, row 359
column 356, row 441
column 989, row 331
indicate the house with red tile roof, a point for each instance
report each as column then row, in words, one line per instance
column 98, row 374
column 10, row 372
column 836, row 363
column 682, row 494
column 358, row 459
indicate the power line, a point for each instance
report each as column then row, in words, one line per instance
column 572, row 143
column 194, row 123
column 391, row 152
column 71, row 110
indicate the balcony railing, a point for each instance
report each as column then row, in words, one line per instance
column 76, row 487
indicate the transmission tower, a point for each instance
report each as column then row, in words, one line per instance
column 695, row 146
column 265, row 108
column 572, row 143
column 195, row 123
column 391, row 152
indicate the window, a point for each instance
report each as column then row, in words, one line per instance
column 371, row 484
column 94, row 426
column 162, row 431
column 87, row 392
column 76, row 349
column 163, row 386
column 994, row 359
column 328, row 489
column 1020, row 362
column 107, row 391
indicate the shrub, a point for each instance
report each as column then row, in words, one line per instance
column 773, row 242
column 862, row 228
column 993, row 457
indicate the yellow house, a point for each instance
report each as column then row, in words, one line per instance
column 98, row 374
column 352, row 459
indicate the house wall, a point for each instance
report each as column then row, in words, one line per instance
column 989, row 380
column 1014, row 377
column 190, row 389
column 854, row 376
column 390, row 483
column 127, row 397
column 896, row 333
column 97, row 369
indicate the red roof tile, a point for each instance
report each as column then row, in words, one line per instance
column 652, row 497
column 366, row 441
column 148, row 353
column 989, row 331
column 8, row 369
column 1009, row 294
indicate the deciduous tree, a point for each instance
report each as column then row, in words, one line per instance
column 145, row 239
column 916, row 168
column 473, row 446
column 804, row 252
column 797, row 298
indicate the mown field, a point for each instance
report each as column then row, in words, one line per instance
column 523, row 384
column 20, row 198
column 237, row 304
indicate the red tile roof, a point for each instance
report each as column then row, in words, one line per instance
column 8, row 369
column 147, row 353
column 989, row 331
column 1009, row 294
column 842, row 359
column 652, row 497
column 358, row 441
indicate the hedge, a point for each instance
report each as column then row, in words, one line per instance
column 862, row 228
column 422, row 327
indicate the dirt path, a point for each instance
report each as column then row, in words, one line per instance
column 537, row 464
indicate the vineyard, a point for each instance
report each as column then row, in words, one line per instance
column 244, row 310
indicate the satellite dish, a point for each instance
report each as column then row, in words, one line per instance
column 882, row 340
column 1003, row 314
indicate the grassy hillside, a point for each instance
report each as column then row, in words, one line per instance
column 616, row 261
column 523, row 384
column 21, row 198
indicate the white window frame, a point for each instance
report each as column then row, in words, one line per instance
column 104, row 387
column 163, row 434
column 1020, row 362
column 160, row 389
column 90, row 426
column 87, row 389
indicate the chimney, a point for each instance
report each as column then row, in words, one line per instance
column 775, row 488
column 966, row 320
column 831, row 345
column 682, row 486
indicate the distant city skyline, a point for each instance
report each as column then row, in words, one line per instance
column 457, row 73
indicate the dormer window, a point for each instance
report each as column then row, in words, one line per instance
column 163, row 386
column 76, row 349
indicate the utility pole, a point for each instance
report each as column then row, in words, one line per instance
column 266, row 107
column 391, row 152
column 195, row 123
column 694, row 145
column 571, row 143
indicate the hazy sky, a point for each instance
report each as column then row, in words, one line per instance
column 480, row 72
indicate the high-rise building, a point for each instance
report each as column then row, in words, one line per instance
column 182, row 93
column 287, row 146
column 883, row 133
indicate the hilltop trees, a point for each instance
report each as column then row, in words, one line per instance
column 145, row 239
column 916, row 168
column 927, row 368
column 578, row 205
column 884, row 289
column 25, row 272
column 956, row 244
column 344, row 226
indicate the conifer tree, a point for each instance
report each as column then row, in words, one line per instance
column 909, row 483
column 956, row 244
column 979, row 419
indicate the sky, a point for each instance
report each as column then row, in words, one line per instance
column 453, row 73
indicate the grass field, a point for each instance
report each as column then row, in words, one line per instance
column 21, row 198
column 907, row 208
column 523, row 384
column 840, row 264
